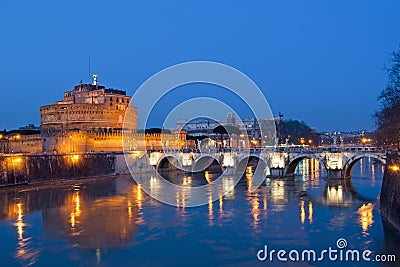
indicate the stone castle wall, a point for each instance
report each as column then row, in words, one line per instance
column 95, row 117
column 16, row 169
column 21, row 144
column 22, row 169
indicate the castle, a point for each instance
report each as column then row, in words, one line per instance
column 90, row 118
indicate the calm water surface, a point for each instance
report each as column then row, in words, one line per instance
column 115, row 223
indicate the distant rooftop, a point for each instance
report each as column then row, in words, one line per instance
column 29, row 127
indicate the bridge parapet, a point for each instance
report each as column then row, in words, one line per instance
column 337, row 161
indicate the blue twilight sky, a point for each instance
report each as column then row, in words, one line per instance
column 317, row 61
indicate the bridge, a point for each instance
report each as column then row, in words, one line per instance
column 275, row 162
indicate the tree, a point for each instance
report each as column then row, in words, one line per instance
column 157, row 131
column 226, row 130
column 298, row 132
column 387, row 117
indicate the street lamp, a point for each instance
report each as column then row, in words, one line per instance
column 395, row 168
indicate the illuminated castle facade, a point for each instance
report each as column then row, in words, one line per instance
column 91, row 118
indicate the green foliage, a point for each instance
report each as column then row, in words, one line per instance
column 226, row 129
column 157, row 131
column 296, row 130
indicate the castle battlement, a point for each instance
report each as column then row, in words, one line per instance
column 90, row 109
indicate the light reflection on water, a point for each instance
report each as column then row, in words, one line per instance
column 114, row 222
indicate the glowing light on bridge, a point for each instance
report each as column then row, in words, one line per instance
column 366, row 140
column 228, row 160
column 394, row 168
column 334, row 161
column 153, row 159
column 187, row 160
column 278, row 161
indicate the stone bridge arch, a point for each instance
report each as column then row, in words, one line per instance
column 348, row 167
column 205, row 161
column 167, row 161
column 243, row 161
column 294, row 161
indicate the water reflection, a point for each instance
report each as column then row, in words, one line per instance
column 103, row 218
column 277, row 193
column 366, row 216
column 255, row 209
column 25, row 252
column 228, row 187
column 310, row 212
column 76, row 209
column 100, row 223
column 210, row 210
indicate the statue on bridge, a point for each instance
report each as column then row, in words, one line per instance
column 276, row 142
column 198, row 143
column 334, row 141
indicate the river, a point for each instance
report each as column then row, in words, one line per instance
column 113, row 222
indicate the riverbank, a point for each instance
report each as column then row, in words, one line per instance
column 25, row 169
column 389, row 199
